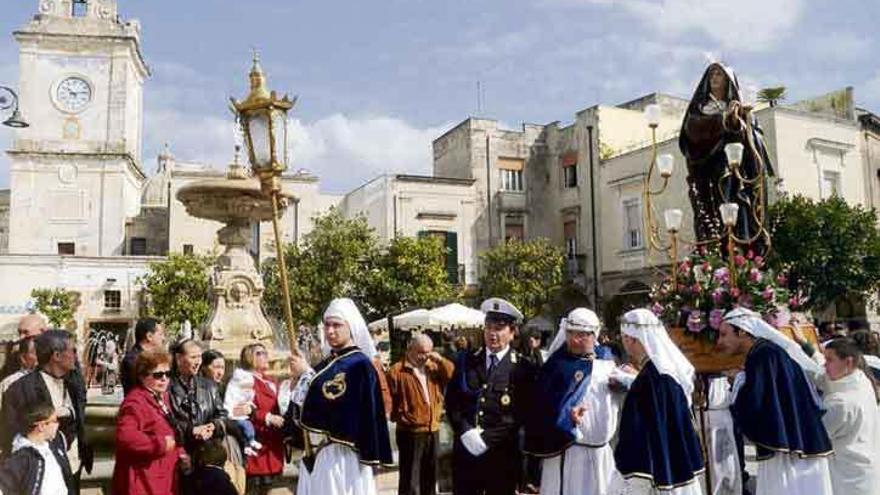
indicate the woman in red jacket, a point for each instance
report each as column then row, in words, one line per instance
column 264, row 468
column 146, row 451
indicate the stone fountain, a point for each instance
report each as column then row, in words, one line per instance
column 237, row 317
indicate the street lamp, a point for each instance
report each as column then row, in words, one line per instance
column 729, row 214
column 665, row 165
column 9, row 100
column 263, row 119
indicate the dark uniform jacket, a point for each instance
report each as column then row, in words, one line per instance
column 196, row 403
column 31, row 389
column 494, row 403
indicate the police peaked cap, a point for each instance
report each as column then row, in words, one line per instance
column 497, row 309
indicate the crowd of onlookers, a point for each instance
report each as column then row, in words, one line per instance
column 188, row 424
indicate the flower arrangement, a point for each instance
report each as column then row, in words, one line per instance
column 704, row 291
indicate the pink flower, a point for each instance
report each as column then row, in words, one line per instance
column 695, row 322
column 759, row 261
column 745, row 300
column 734, row 292
column 657, row 309
column 750, row 254
column 755, row 275
column 717, row 296
column 715, row 317
column 793, row 302
column 781, row 279
column 721, row 275
column 696, row 289
column 768, row 293
column 739, row 259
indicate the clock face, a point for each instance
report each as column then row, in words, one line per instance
column 73, row 94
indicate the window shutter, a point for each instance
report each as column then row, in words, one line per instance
column 452, row 257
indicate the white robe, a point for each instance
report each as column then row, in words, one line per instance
column 852, row 420
column 589, row 463
column 337, row 471
column 723, row 461
column 788, row 474
column 641, row 486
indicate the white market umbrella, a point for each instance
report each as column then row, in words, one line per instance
column 417, row 318
column 458, row 315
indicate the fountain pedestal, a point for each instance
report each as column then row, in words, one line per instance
column 236, row 318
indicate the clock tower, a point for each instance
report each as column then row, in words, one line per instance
column 76, row 172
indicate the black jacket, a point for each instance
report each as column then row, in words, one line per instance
column 126, row 368
column 31, row 389
column 22, row 472
column 212, row 480
column 194, row 404
column 496, row 403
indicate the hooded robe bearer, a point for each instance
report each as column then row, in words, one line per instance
column 574, row 412
column 657, row 450
column 777, row 407
column 339, row 406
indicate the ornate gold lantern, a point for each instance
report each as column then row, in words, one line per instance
column 263, row 119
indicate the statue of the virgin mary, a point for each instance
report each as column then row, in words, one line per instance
column 716, row 117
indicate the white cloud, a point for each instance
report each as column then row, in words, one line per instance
column 744, row 25
column 346, row 151
column 343, row 151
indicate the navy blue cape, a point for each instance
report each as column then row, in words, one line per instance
column 775, row 407
column 564, row 380
column 344, row 402
column 657, row 440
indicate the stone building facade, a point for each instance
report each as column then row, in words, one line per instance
column 581, row 185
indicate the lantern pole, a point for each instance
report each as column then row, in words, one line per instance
column 262, row 106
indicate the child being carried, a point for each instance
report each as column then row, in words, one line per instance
column 240, row 392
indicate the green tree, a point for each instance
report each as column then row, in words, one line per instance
column 410, row 273
column 831, row 249
column 772, row 95
column 342, row 257
column 179, row 289
column 333, row 261
column 59, row 306
column 528, row 274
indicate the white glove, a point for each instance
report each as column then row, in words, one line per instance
column 738, row 383
column 622, row 377
column 473, row 442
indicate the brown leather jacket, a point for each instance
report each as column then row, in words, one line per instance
column 410, row 410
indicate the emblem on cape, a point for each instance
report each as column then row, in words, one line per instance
column 578, row 376
column 335, row 388
column 505, row 400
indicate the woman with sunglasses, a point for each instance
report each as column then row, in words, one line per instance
column 266, row 466
column 147, row 452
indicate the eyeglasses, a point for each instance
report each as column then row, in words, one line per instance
column 158, row 375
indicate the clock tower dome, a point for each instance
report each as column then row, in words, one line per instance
column 76, row 172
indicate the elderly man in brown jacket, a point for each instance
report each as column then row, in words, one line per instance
column 417, row 383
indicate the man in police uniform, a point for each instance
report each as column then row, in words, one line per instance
column 485, row 402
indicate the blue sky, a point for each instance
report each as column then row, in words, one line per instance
column 378, row 80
